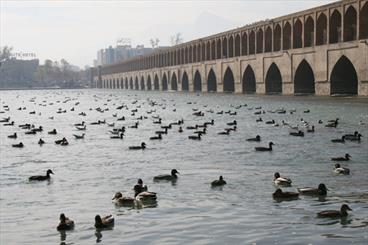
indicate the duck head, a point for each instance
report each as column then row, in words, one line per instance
column 49, row 172
column 347, row 156
column 221, row 178
column 270, row 144
column 337, row 165
column 344, row 208
column 140, row 182
column 117, row 195
column 258, row 137
column 143, row 145
column 277, row 175
column 98, row 219
column 174, row 172
column 62, row 218
column 322, row 187
column 278, row 192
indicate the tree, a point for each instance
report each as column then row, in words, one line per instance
column 5, row 53
column 176, row 39
column 154, row 42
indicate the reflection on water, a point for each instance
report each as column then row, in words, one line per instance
column 89, row 171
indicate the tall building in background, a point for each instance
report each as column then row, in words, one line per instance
column 112, row 55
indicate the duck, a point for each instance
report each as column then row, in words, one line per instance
column 279, row 194
column 270, row 122
column 20, row 145
column 335, row 213
column 141, row 193
column 342, row 140
column 310, row 130
column 332, row 123
column 299, row 133
column 79, row 136
column 226, row 132
column 141, row 147
column 231, row 129
column 41, row 141
column 161, row 132
column 259, row 119
column 345, row 158
column 158, row 137
column 357, row 138
column 123, row 200
column 58, row 142
column 269, row 148
column 180, row 130
column 351, row 136
column 120, row 136
column 169, row 177
column 282, row 181
column 341, row 170
column 135, row 125
column 65, row 223
column 232, row 123
column 13, row 136
column 218, row 182
column 193, row 137
column 256, row 139
column 192, row 127
column 52, row 131
column 41, row 177
column 320, row 191
column 105, row 222
column 81, row 127
column 79, row 124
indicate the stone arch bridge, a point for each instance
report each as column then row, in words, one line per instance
column 321, row 51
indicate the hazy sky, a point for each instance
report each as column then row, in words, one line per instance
column 75, row 30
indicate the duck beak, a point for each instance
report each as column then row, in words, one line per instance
column 113, row 198
column 350, row 209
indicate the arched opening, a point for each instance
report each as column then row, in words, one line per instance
column 186, row 55
column 142, row 83
column 244, row 44
column 174, row 82
column 363, row 22
column 194, row 53
column 237, row 45
column 149, row 83
column 203, row 58
column 297, row 34
column 131, row 85
column 164, row 82
column 136, row 84
column 286, row 36
column 113, row 83
column 249, row 81
column 309, row 32
column 273, row 80
column 126, row 83
column 211, row 82
column 185, row 82
column 197, row 84
column 350, row 24
column 213, row 50
column 231, row 47
column 229, row 84
column 252, row 42
column 121, row 83
column 190, row 55
column 335, row 27
column 321, row 38
column 259, row 41
column 224, row 48
column 268, row 40
column 208, row 51
column 344, row 79
column 218, row 51
column 277, row 38
column 156, row 84
column 304, row 79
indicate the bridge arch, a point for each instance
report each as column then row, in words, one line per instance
column 321, row 32
column 164, row 82
column 136, row 84
column 126, row 83
column 121, row 83
column 213, row 50
column 350, row 24
column 249, row 81
column 268, row 39
column 335, row 27
column 273, row 80
column 218, row 50
column 224, row 48
column 259, row 41
column 344, row 79
column 244, row 44
column 149, row 83
column 156, row 83
column 211, row 82
column 231, row 46
column 229, row 83
column 277, row 38
column 208, row 51
column 363, row 22
column 286, row 36
column 252, row 42
column 197, row 82
column 174, row 82
column 304, row 79
column 143, row 87
column 237, row 45
column 309, row 32
column 185, row 82
column 297, row 34
column 131, row 83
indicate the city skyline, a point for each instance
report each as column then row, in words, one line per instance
column 36, row 27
